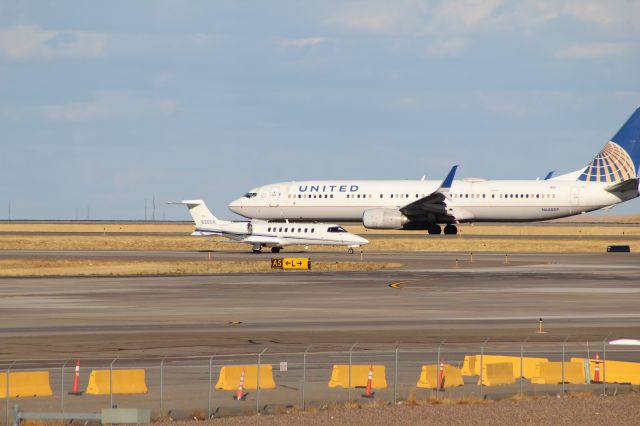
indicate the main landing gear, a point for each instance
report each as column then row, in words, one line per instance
column 257, row 248
column 350, row 250
column 450, row 230
column 275, row 249
column 437, row 230
column 434, row 230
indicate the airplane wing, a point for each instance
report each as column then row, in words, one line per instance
column 434, row 203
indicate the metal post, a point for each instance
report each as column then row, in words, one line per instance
column 481, row 368
column 258, row 382
column 588, row 352
column 8, row 390
column 162, row 386
column 437, row 375
column 111, row 383
column 62, row 387
column 210, row 389
column 395, row 380
column 521, row 372
column 304, row 376
column 350, row 352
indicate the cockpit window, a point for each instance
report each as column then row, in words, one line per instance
column 336, row 229
column 250, row 194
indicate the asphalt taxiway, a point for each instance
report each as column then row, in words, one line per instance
column 580, row 297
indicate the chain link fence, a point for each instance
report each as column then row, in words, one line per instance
column 185, row 387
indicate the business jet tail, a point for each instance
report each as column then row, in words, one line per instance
column 200, row 213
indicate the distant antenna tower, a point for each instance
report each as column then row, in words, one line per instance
column 145, row 209
column 153, row 211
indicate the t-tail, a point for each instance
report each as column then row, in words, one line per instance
column 619, row 160
column 201, row 215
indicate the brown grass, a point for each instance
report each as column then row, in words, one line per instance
column 108, row 267
column 521, row 230
column 448, row 244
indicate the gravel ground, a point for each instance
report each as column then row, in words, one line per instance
column 582, row 410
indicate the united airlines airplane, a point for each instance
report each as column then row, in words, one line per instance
column 611, row 178
column 263, row 234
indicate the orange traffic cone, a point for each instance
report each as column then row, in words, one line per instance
column 76, row 380
column 240, row 395
column 596, row 374
column 367, row 391
column 441, row 376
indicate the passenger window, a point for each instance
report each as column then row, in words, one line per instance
column 269, row 229
column 331, row 196
column 312, row 229
column 280, row 230
column 305, row 229
column 466, row 195
column 286, row 229
column 380, row 195
column 391, row 195
column 483, row 195
column 493, row 195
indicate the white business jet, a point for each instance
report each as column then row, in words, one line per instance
column 611, row 178
column 264, row 234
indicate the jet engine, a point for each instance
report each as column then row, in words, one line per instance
column 384, row 219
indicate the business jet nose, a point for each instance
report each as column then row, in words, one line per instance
column 361, row 241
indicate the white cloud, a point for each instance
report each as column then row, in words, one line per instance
column 449, row 47
column 303, row 42
column 28, row 42
column 110, row 106
column 442, row 18
column 592, row 50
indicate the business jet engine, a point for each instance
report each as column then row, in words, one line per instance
column 384, row 219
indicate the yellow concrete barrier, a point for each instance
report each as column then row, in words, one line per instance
column 359, row 376
column 616, row 371
column 229, row 378
column 550, row 373
column 25, row 384
column 429, row 376
column 124, row 382
column 471, row 366
column 498, row 373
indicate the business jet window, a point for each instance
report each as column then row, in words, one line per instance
column 391, row 195
column 280, row 230
column 299, row 229
column 299, row 196
column 313, row 229
column 305, row 229
column 250, row 194
column 269, row 229
column 331, row 196
column 381, row 195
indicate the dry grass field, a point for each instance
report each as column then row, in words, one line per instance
column 438, row 244
column 104, row 267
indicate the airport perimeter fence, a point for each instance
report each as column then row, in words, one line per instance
column 205, row 386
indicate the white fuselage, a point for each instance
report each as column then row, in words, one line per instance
column 282, row 234
column 470, row 200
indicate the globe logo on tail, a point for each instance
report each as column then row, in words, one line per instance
column 612, row 164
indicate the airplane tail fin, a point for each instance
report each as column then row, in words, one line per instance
column 200, row 213
column 619, row 160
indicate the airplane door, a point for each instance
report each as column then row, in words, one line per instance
column 575, row 196
column 274, row 199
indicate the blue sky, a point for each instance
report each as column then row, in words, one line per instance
column 106, row 104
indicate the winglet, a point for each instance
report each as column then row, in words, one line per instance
column 446, row 183
column 549, row 175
